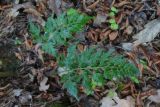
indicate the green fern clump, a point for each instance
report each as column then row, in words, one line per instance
column 92, row 68
column 87, row 69
column 59, row 30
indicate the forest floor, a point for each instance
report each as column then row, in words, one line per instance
column 26, row 72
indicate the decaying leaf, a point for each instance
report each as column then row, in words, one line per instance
column 155, row 98
column 150, row 31
column 43, row 86
column 100, row 18
column 115, row 101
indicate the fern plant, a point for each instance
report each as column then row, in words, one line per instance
column 92, row 68
column 87, row 69
column 58, row 31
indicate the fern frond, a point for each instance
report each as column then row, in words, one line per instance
column 94, row 67
column 58, row 31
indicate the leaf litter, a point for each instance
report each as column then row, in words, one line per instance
column 136, row 19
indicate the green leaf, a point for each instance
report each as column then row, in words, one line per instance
column 71, row 88
column 97, row 79
column 113, row 9
column 71, row 12
column 48, row 47
column 134, row 79
column 86, row 83
column 111, row 14
column 34, row 30
column 112, row 21
column 114, row 26
column 50, row 25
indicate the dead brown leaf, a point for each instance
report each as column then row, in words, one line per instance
column 113, row 35
column 104, row 35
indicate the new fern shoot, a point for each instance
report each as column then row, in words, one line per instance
column 58, row 31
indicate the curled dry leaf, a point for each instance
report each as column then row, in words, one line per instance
column 150, row 31
column 43, row 86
